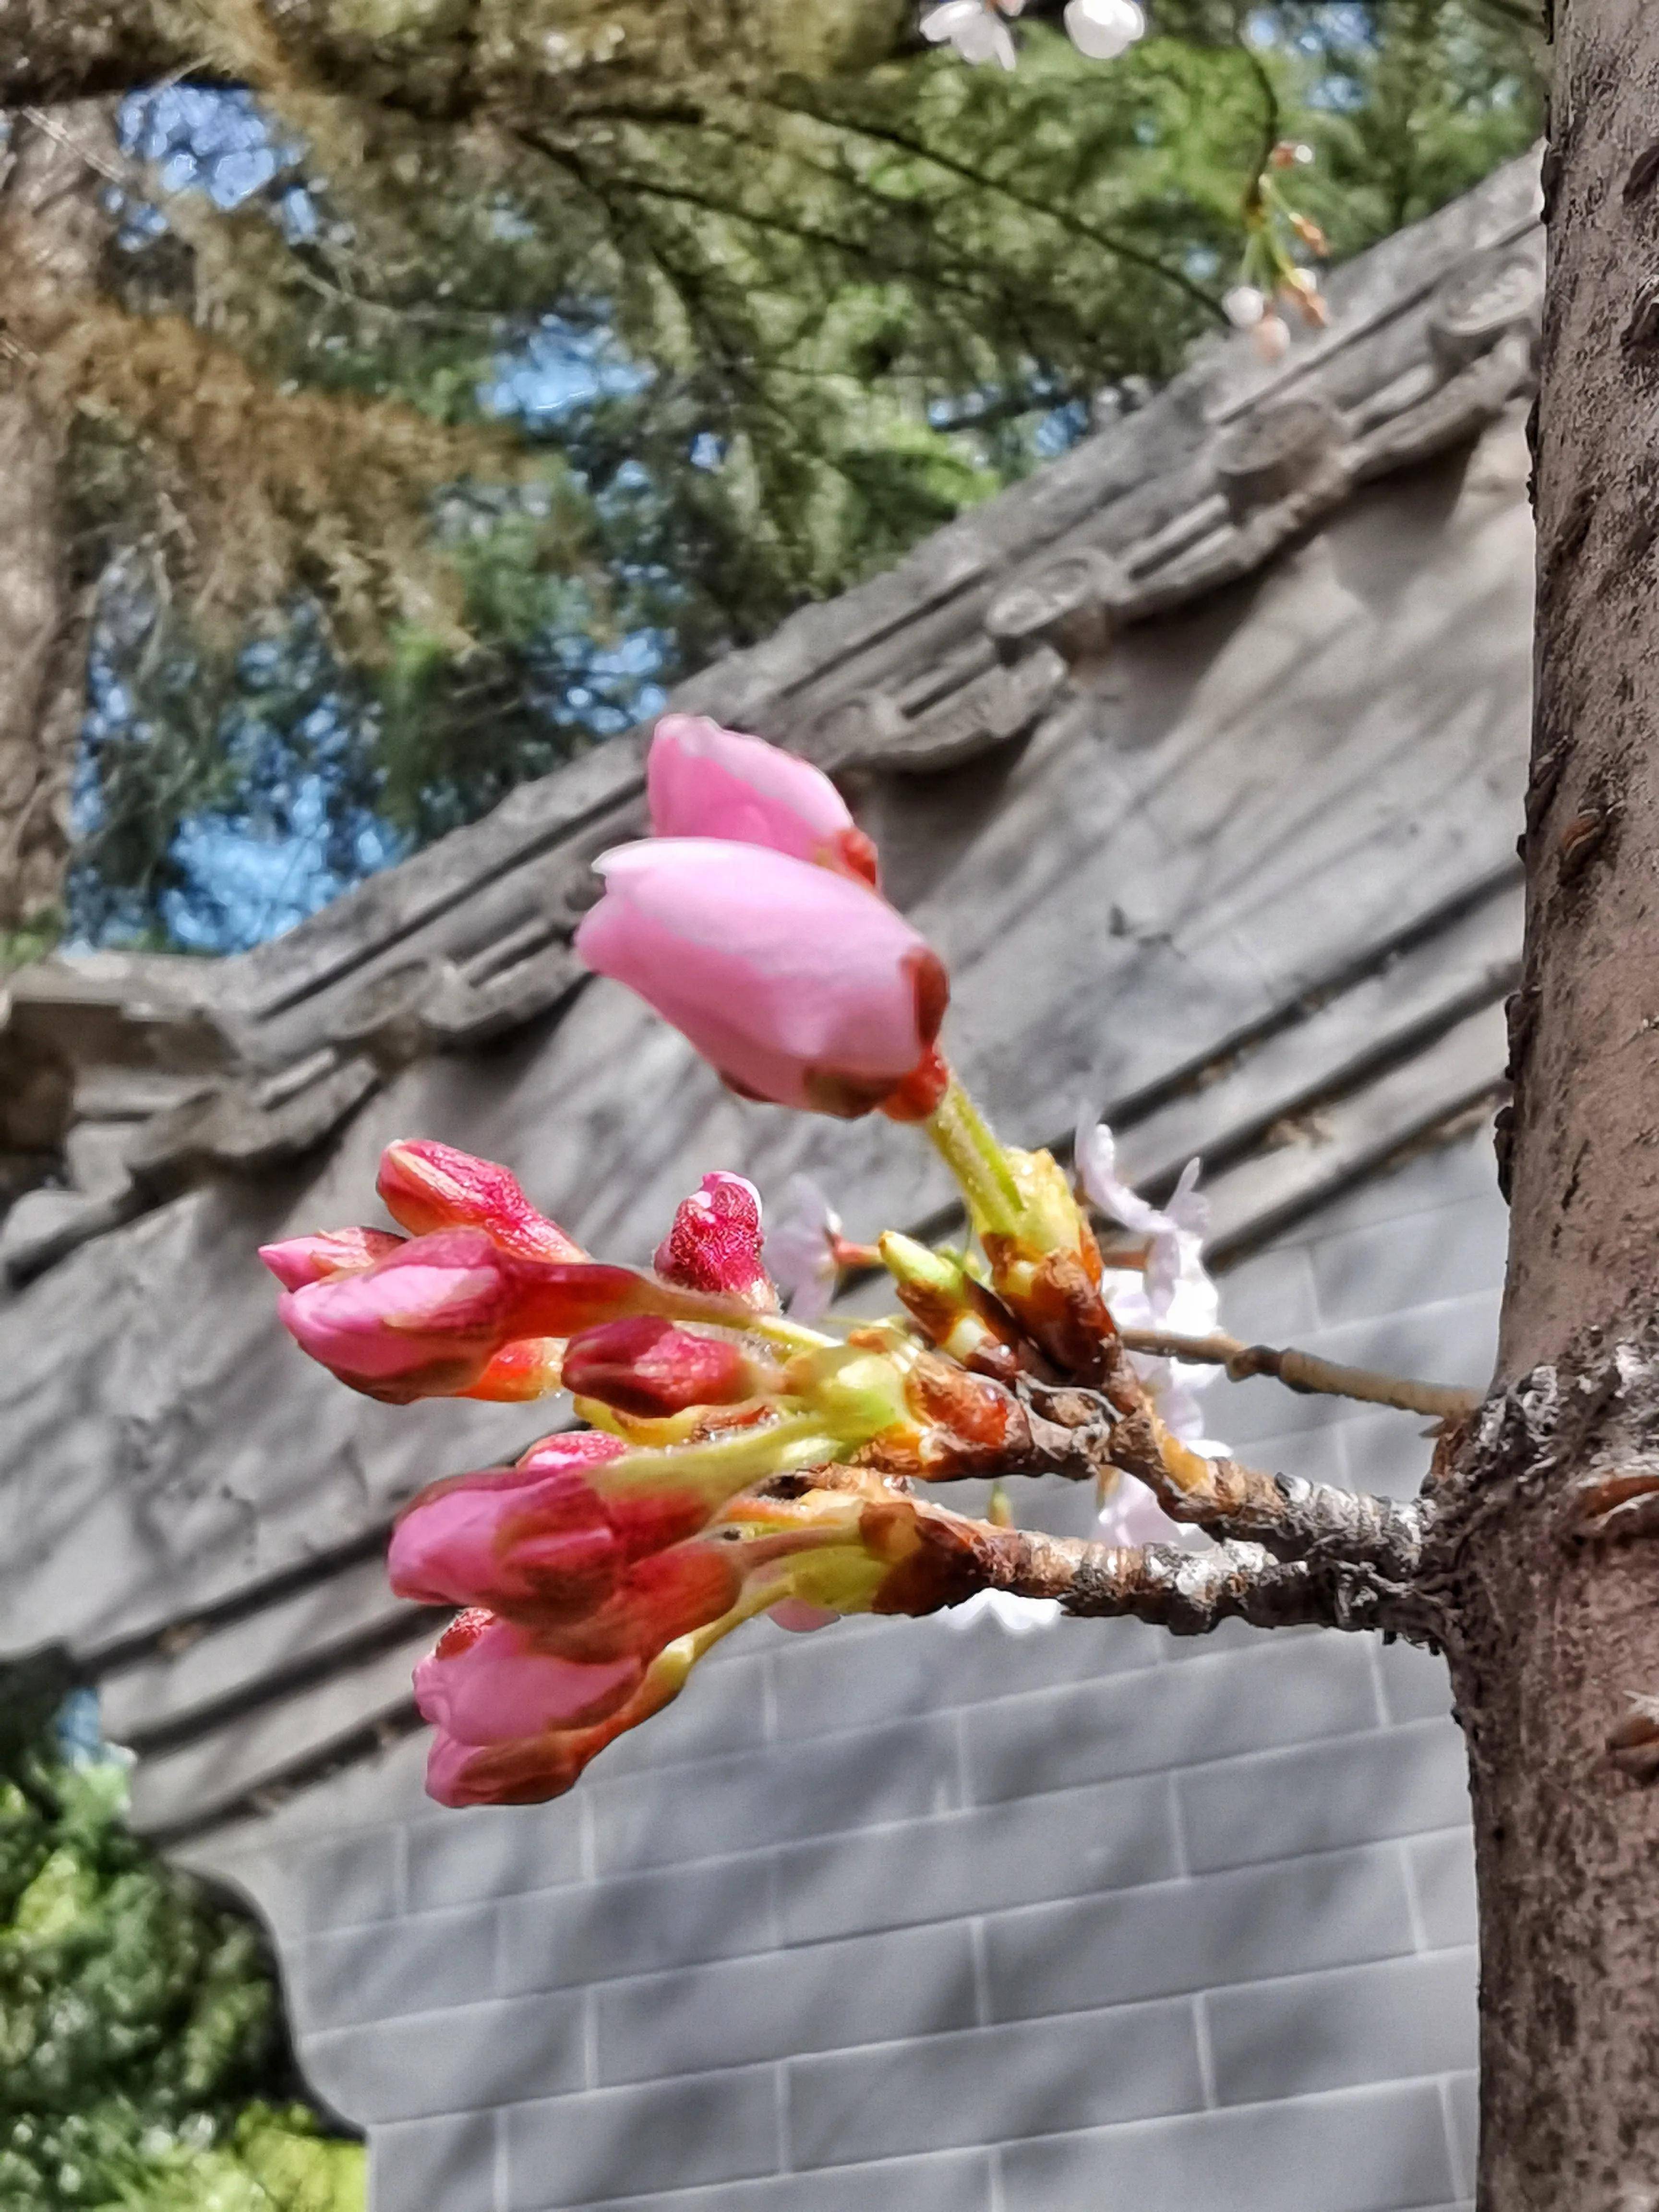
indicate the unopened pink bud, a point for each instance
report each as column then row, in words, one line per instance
column 428, row 1187
column 661, row 1598
column 487, row 1682
column 649, row 1368
column 522, row 1373
column 715, row 1242
column 331, row 1252
column 536, row 1535
column 705, row 781
column 428, row 1320
column 799, row 986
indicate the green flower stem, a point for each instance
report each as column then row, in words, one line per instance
column 719, row 1470
column 967, row 1144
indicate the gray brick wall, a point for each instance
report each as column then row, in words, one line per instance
column 903, row 1916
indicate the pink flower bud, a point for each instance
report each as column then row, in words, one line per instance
column 535, row 1768
column 487, row 1682
column 705, row 781
column 661, row 1598
column 521, row 1373
column 801, row 987
column 715, row 1243
column 649, row 1368
column 429, row 1319
column 332, row 1252
column 546, row 1540
column 428, row 1187
column 534, row 1536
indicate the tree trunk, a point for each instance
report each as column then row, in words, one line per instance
column 1546, row 1558
column 55, row 227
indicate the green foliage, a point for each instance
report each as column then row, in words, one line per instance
column 143, row 2061
column 830, row 289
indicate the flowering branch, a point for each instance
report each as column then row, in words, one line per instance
column 1303, row 1371
column 738, row 1461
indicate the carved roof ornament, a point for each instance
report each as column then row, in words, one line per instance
column 122, row 1076
column 1274, row 451
column 1477, row 306
column 1071, row 604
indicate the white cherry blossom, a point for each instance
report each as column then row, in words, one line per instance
column 1244, row 305
column 1015, row 1616
column 1103, row 29
column 975, row 28
column 800, row 1248
column 1174, row 1292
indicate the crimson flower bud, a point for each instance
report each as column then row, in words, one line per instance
column 715, row 1243
column 489, row 1681
column 303, row 1259
column 428, row 1187
column 648, row 1367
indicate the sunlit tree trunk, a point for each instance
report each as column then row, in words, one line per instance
column 1550, row 1557
column 55, row 225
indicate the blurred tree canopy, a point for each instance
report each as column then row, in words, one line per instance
column 146, row 2060
column 394, row 393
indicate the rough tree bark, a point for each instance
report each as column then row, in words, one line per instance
column 54, row 230
column 1544, row 1554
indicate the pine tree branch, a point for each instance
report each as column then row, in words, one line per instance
column 1108, row 241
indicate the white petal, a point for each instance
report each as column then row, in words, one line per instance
column 945, row 21
column 797, row 1251
column 1015, row 1616
column 1103, row 29
column 1244, row 305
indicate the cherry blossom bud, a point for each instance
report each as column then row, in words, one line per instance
column 428, row 1320
column 427, row 1187
column 1271, row 338
column 1291, row 153
column 332, row 1252
column 705, row 781
column 536, row 1768
column 521, row 1372
column 487, row 1681
column 1310, row 234
column 534, row 1535
column 715, row 1242
column 801, row 987
column 649, row 1368
column 1103, row 29
column 1244, row 305
column 1301, row 288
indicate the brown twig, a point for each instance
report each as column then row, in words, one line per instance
column 1302, row 1370
column 1190, row 1593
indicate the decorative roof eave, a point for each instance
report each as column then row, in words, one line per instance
column 124, row 1076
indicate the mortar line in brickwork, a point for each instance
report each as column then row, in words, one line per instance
column 1413, row 1899
column 1462, row 2182
column 1206, row 2054
column 999, row 2199
column 502, row 2178
column 587, row 1840
column 1178, row 1854
column 780, row 2110
column 1378, row 1690
column 982, row 1970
